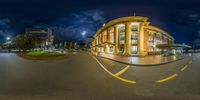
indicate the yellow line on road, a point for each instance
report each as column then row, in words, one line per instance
column 166, row 79
column 122, row 71
column 117, row 77
column 186, row 66
column 125, row 80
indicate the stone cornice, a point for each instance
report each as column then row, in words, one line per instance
column 122, row 20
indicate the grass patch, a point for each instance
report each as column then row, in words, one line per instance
column 37, row 53
column 42, row 55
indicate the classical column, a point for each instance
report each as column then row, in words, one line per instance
column 162, row 50
column 95, row 44
column 145, row 43
column 116, row 40
column 101, row 42
column 127, row 45
column 101, row 38
column 107, row 41
column 142, row 43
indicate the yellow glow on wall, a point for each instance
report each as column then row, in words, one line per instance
column 120, row 25
column 125, row 33
column 141, row 40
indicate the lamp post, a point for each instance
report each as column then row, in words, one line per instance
column 8, row 44
column 8, row 38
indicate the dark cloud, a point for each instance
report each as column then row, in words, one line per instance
column 81, row 25
column 193, row 17
column 75, row 27
column 196, row 41
column 70, row 19
column 5, row 28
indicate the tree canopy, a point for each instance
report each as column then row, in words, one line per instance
column 24, row 42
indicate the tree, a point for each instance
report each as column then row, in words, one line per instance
column 24, row 42
column 18, row 42
column 30, row 41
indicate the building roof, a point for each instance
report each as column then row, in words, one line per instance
column 38, row 30
column 160, row 30
column 122, row 20
column 130, row 19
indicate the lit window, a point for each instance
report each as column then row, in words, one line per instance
column 111, row 33
column 134, row 32
column 134, row 49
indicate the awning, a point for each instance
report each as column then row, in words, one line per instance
column 172, row 46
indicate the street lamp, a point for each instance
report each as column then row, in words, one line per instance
column 83, row 33
column 8, row 38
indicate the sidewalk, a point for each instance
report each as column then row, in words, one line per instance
column 143, row 61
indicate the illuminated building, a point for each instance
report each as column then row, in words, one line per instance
column 132, row 35
column 43, row 36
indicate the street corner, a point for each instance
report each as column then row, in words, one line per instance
column 115, row 71
column 149, row 75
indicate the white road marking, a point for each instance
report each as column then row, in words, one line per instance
column 117, row 77
column 122, row 71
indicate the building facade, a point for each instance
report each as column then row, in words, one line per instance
column 131, row 35
column 43, row 36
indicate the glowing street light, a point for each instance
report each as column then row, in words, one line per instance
column 8, row 38
column 83, row 33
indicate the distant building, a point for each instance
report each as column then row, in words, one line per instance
column 89, row 41
column 44, row 36
column 76, row 45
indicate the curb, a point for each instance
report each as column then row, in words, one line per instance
column 143, row 64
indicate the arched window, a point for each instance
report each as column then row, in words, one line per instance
column 111, row 34
column 134, row 37
column 121, row 32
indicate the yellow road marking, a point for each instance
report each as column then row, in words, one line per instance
column 190, row 62
column 125, row 80
column 186, row 66
column 122, row 71
column 117, row 77
column 166, row 79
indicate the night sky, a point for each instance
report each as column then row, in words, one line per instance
column 74, row 20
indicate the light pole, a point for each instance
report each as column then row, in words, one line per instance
column 8, row 43
column 7, row 38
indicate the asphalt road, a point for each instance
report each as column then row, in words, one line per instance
column 83, row 77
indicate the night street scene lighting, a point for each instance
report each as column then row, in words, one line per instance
column 8, row 38
column 99, row 50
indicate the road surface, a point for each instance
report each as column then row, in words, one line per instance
column 84, row 77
